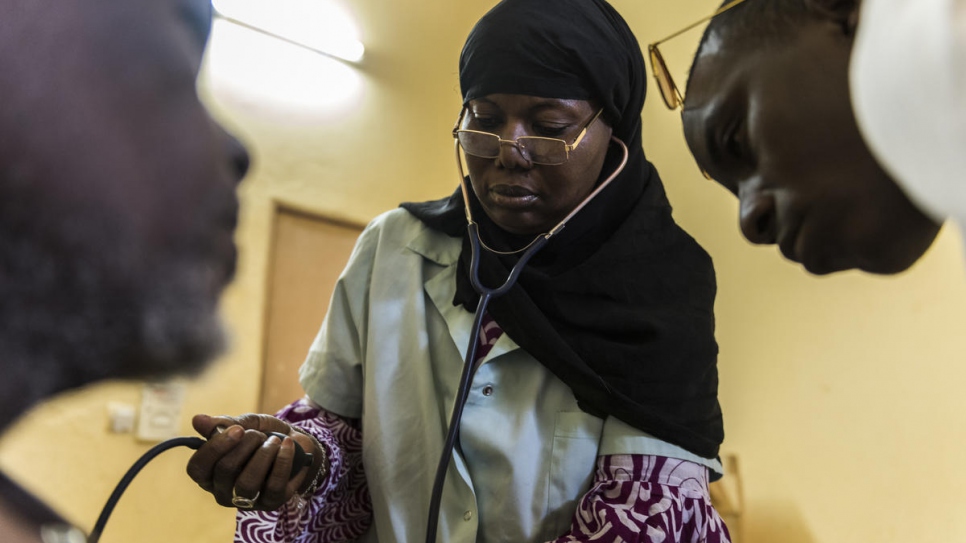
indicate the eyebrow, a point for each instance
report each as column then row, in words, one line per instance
column 566, row 106
column 541, row 104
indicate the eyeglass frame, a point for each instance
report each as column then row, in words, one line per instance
column 568, row 147
column 676, row 100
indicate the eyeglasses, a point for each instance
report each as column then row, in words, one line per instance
column 669, row 91
column 539, row 150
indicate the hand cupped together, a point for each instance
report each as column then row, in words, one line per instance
column 243, row 465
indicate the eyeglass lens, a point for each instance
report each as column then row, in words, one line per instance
column 538, row 150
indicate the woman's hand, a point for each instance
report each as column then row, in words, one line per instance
column 242, row 460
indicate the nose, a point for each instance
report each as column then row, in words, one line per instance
column 757, row 215
column 512, row 156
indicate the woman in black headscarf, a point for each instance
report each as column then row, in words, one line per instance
column 602, row 356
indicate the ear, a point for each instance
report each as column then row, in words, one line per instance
column 843, row 12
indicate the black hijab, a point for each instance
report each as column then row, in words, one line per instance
column 620, row 304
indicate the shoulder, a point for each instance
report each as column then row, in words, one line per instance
column 396, row 226
column 399, row 229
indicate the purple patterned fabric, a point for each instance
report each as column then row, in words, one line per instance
column 646, row 499
column 490, row 332
column 650, row 499
column 341, row 509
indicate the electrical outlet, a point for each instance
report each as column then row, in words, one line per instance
column 160, row 411
column 121, row 417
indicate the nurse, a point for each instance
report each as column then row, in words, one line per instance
column 594, row 412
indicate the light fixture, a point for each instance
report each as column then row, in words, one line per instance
column 291, row 59
column 321, row 26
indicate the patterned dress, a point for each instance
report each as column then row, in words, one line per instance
column 633, row 498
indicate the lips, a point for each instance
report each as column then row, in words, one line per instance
column 230, row 220
column 788, row 241
column 231, row 264
column 231, row 258
column 512, row 196
column 223, row 252
column 806, row 247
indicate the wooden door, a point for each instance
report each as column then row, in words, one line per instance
column 308, row 253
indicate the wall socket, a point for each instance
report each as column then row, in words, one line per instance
column 160, row 411
column 121, row 417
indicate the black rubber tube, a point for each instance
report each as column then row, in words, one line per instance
column 190, row 442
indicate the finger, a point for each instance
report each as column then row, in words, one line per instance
column 317, row 461
column 232, row 463
column 201, row 465
column 253, row 477
column 277, row 489
column 263, row 423
column 296, row 482
column 206, row 425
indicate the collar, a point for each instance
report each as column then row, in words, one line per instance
column 435, row 245
column 444, row 250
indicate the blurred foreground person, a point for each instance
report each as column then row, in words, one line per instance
column 117, row 207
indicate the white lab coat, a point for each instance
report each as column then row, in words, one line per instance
column 390, row 352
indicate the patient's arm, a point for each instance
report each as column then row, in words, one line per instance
column 340, row 509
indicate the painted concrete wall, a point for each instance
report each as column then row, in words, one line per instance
column 841, row 394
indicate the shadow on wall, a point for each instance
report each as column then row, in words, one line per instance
column 774, row 522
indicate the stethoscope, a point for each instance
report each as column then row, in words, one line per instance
column 487, row 294
column 469, row 365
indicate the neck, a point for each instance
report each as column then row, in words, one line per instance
column 22, row 515
column 14, row 529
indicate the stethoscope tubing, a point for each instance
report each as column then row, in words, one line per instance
column 486, row 294
column 469, row 363
column 190, row 442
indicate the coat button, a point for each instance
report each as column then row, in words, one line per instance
column 468, row 515
column 488, row 390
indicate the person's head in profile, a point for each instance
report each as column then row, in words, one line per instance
column 117, row 201
column 767, row 115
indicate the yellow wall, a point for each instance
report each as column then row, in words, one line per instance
column 840, row 394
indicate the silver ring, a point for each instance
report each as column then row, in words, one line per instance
column 242, row 502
